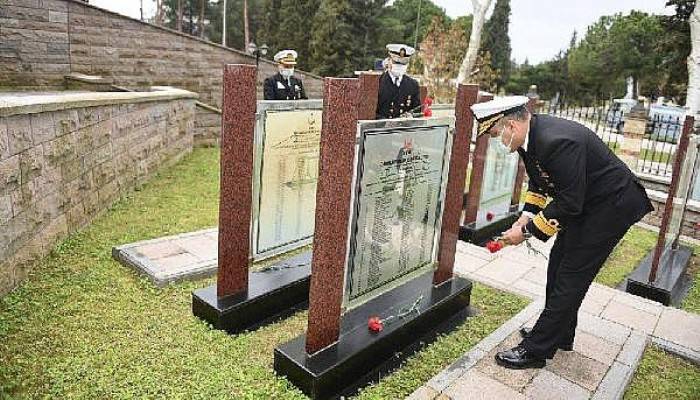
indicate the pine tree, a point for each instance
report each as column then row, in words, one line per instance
column 497, row 42
column 332, row 43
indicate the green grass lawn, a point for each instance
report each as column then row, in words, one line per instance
column 624, row 259
column 663, row 376
column 83, row 326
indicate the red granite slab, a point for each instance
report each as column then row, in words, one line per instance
column 449, row 234
column 337, row 150
column 235, row 199
column 477, row 175
column 369, row 87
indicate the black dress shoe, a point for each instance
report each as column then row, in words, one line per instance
column 525, row 333
column 519, row 358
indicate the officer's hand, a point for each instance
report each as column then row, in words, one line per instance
column 513, row 235
column 523, row 220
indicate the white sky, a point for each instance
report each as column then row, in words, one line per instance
column 538, row 28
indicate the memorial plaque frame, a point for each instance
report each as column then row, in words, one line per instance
column 264, row 108
column 391, row 127
column 659, row 276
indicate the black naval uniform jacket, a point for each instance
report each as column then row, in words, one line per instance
column 277, row 88
column 578, row 184
column 394, row 101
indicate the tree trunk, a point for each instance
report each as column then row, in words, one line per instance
column 159, row 12
column 465, row 70
column 693, row 98
column 246, row 33
column 202, row 6
column 178, row 26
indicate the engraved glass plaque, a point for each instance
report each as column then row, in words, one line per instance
column 500, row 171
column 401, row 172
column 687, row 174
column 286, row 171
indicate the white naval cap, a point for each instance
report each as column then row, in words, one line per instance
column 286, row 57
column 400, row 53
column 489, row 112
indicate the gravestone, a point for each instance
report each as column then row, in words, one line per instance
column 387, row 222
column 659, row 276
column 266, row 203
column 489, row 207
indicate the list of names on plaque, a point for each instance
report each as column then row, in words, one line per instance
column 396, row 209
column 288, row 178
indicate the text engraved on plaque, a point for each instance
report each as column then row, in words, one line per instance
column 397, row 208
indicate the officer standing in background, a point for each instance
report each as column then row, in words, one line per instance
column 398, row 92
column 579, row 190
column 283, row 85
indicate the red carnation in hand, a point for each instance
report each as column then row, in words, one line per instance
column 489, row 216
column 375, row 324
column 494, row 246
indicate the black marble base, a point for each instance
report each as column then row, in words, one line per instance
column 669, row 285
column 272, row 294
column 482, row 233
column 360, row 356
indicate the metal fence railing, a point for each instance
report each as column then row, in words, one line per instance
column 606, row 122
column 659, row 144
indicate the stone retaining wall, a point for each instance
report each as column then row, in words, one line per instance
column 65, row 158
column 42, row 41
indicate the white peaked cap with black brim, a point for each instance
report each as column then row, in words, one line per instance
column 489, row 112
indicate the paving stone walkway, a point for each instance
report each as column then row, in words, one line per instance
column 613, row 330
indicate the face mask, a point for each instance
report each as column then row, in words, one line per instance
column 398, row 70
column 500, row 146
column 287, row 72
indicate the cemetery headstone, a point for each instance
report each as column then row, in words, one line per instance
column 387, row 221
column 261, row 172
column 489, row 205
column 660, row 275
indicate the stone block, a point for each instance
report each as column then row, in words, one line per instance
column 5, row 208
column 201, row 247
column 633, row 349
column 466, row 263
column 577, row 368
column 24, row 13
column 103, row 173
column 31, row 163
column 19, row 133
column 679, row 327
column 514, row 378
column 596, row 348
column 43, row 128
column 547, row 386
column 630, row 316
column 76, row 217
column 4, row 144
column 610, row 331
column 475, row 385
column 614, row 383
column 639, row 303
column 458, row 368
column 10, row 174
column 504, row 271
column 60, row 150
column 71, row 169
column 56, row 16
column 108, row 194
column 66, row 121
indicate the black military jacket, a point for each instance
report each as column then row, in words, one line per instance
column 578, row 184
column 394, row 101
column 277, row 88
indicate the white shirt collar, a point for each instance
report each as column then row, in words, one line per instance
column 393, row 79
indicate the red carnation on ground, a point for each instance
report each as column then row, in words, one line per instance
column 375, row 324
column 489, row 216
column 494, row 246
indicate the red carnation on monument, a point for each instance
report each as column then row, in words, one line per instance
column 493, row 246
column 375, row 324
column 489, row 216
column 427, row 102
